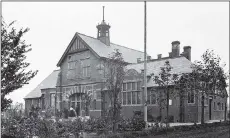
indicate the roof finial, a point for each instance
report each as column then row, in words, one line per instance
column 103, row 13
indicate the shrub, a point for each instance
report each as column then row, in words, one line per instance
column 170, row 118
column 65, row 112
column 72, row 113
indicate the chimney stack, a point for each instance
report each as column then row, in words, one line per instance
column 175, row 48
column 138, row 60
column 187, row 52
column 159, row 56
column 170, row 54
column 148, row 58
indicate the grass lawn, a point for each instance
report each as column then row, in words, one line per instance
column 214, row 132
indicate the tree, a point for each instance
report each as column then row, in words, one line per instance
column 114, row 79
column 207, row 78
column 165, row 80
column 13, row 65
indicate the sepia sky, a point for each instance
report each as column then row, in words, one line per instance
column 201, row 25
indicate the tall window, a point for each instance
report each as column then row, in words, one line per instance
column 85, row 63
column 72, row 100
column 151, row 99
column 52, row 99
column 191, row 97
column 59, row 100
column 219, row 106
column 43, row 101
column 131, row 94
column 214, row 105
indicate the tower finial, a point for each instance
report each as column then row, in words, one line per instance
column 103, row 13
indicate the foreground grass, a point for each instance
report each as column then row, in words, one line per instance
column 214, row 132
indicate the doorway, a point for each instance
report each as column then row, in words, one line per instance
column 210, row 109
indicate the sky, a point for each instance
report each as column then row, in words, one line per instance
column 201, row 25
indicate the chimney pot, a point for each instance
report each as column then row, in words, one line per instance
column 159, row 56
column 187, row 52
column 138, row 60
column 170, row 54
column 175, row 48
column 148, row 57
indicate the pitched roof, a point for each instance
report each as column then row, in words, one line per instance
column 102, row 50
column 48, row 82
column 129, row 55
column 180, row 65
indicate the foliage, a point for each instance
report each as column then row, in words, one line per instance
column 65, row 112
column 15, row 111
column 34, row 111
column 207, row 78
column 72, row 113
column 101, row 125
column 114, row 79
column 136, row 123
column 13, row 65
column 44, row 128
column 165, row 79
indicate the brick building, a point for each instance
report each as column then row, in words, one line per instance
column 82, row 70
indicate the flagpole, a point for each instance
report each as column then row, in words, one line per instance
column 145, row 70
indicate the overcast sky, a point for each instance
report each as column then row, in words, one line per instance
column 201, row 25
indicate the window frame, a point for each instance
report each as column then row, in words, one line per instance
column 125, row 91
column 190, row 94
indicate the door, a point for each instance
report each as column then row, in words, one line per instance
column 210, row 109
column 78, row 108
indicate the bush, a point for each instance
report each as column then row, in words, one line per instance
column 65, row 112
column 72, row 113
column 133, row 124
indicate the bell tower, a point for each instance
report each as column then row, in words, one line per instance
column 103, row 31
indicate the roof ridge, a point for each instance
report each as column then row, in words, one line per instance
column 127, row 47
column 86, row 35
column 154, row 60
column 111, row 42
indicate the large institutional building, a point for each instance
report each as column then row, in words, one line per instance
column 82, row 71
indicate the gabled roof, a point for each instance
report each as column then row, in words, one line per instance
column 48, row 82
column 102, row 50
column 180, row 65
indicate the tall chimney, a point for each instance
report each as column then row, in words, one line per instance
column 175, row 48
column 148, row 58
column 159, row 56
column 187, row 52
column 138, row 60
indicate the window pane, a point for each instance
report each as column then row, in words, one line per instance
column 138, row 97
column 153, row 98
column 138, row 85
column 78, row 97
column 134, row 98
column 129, row 86
column 98, row 95
column 148, row 97
column 124, row 98
column 88, row 71
column 192, row 97
column 170, row 101
column 128, row 97
column 133, row 86
column 73, row 98
column 124, row 86
column 52, row 100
